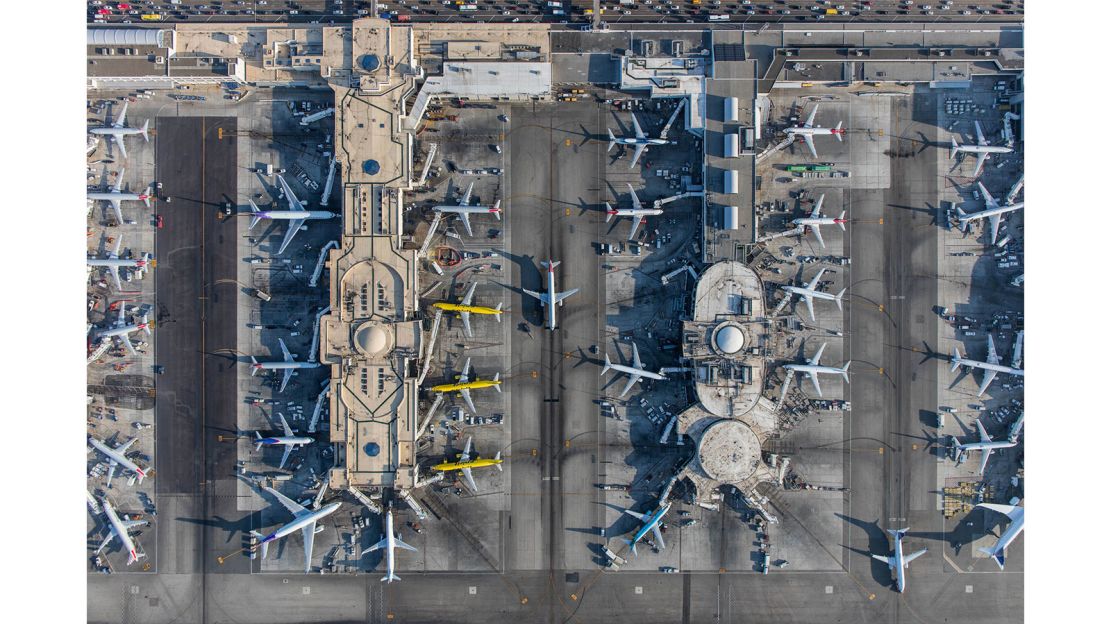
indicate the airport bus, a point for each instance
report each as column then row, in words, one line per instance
column 152, row 17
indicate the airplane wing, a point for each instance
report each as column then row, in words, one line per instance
column 111, row 470
column 294, row 227
column 114, row 271
column 294, row 203
column 983, row 462
column 636, row 127
column 980, row 158
column 107, row 540
column 293, row 506
column 812, row 285
column 466, row 324
column 636, row 357
column 809, row 304
column 635, row 200
column 469, row 402
column 126, row 340
column 309, row 531
column 465, row 218
column 469, row 480
column 988, row 199
column 639, row 516
column 886, row 560
column 988, row 377
column 541, row 296
column 398, row 543
column 119, row 143
column 816, row 229
column 563, row 295
column 285, row 426
column 979, row 138
column 465, row 456
column 121, row 118
column 286, row 375
column 465, row 201
column 659, row 543
column 786, row 384
column 117, row 210
column 632, row 379
column 465, row 375
column 995, row 221
column 983, row 436
column 992, row 354
column 816, row 384
column 285, row 354
column 1013, row 511
column 817, row 208
column 809, row 143
column 122, row 448
column 812, row 117
column 816, row 359
column 469, row 298
column 908, row 558
column 636, row 154
column 636, row 220
column 285, row 456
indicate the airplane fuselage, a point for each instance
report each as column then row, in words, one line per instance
column 474, row 463
column 118, row 132
column 110, row 453
column 813, row 131
column 470, row 385
column 652, row 520
column 120, row 532
column 813, row 369
column 293, row 215
column 298, row 523
column 125, row 330
column 993, row 445
column 635, row 212
column 998, row 368
column 816, row 221
column 640, row 141
column 806, row 292
column 899, row 566
column 551, row 295
column 984, row 149
column 467, row 209
column 285, row 441
column 991, row 212
column 115, row 262
column 391, row 541
column 458, row 307
column 628, row 370
column 284, row 365
column 109, row 196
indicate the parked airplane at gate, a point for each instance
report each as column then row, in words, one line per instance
column 464, row 464
column 990, row 368
column 992, row 212
column 809, row 292
column 115, row 195
column 1017, row 524
column 550, row 298
column 289, row 441
column 114, row 263
column 119, row 529
column 118, row 130
column 303, row 519
column 982, row 149
column 640, row 141
column 634, row 372
column 637, row 212
column 465, row 309
column 389, row 542
column 898, row 562
column 464, row 209
column 812, row 368
column 121, row 330
column 815, row 220
column 465, row 385
column 296, row 215
column 117, row 457
column 807, row 131
column 985, row 445
column 649, row 523
column 286, row 365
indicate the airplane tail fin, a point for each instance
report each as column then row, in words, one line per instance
column 265, row 546
column 497, row 378
column 255, row 218
column 998, row 554
column 497, row 209
column 956, row 357
column 954, row 149
column 632, row 545
column 550, row 264
column 146, row 196
column 498, row 458
column 498, row 308
column 839, row 131
column 254, row 369
column 390, row 577
column 608, row 212
column 258, row 441
column 146, row 126
column 844, row 371
column 144, row 320
column 612, row 140
column 840, row 220
column 839, row 299
column 608, row 365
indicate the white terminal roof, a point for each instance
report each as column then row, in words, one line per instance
column 484, row 80
column 730, row 339
column 124, row 36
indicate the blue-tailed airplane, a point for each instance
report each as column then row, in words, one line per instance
column 303, row 519
column 1017, row 524
column 650, row 522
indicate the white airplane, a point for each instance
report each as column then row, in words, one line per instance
column 634, row 372
column 114, row 263
column 812, row 368
column 815, row 220
column 809, row 292
column 550, row 298
column 807, row 131
column 640, row 141
column 303, row 519
column 464, row 209
column 650, row 523
column 119, row 129
column 121, row 330
column 992, row 212
column 116, row 457
column 990, row 368
column 296, row 214
column 982, row 149
column 898, row 562
column 985, row 445
column 289, row 441
column 389, row 542
column 287, row 365
column 118, row 529
column 115, row 195
column 1017, row 524
column 637, row 212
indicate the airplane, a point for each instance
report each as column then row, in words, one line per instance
column 119, row 129
column 990, row 368
column 465, row 464
column 637, row 212
column 815, row 220
column 550, row 298
column 898, row 562
column 982, row 149
column 115, row 195
column 992, row 212
column 114, row 263
column 641, row 141
column 303, row 519
column 286, row 364
column 389, row 541
column 807, row 131
column 121, row 330
column 649, row 522
column 118, row 529
column 812, row 368
column 1017, row 524
column 634, row 372
column 985, row 445
column 296, row 214
column 464, row 385
column 809, row 292
column 465, row 309
column 289, row 441
column 116, row 457
column 464, row 209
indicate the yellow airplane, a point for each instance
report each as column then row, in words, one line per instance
column 465, row 309
column 464, row 386
column 464, row 464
